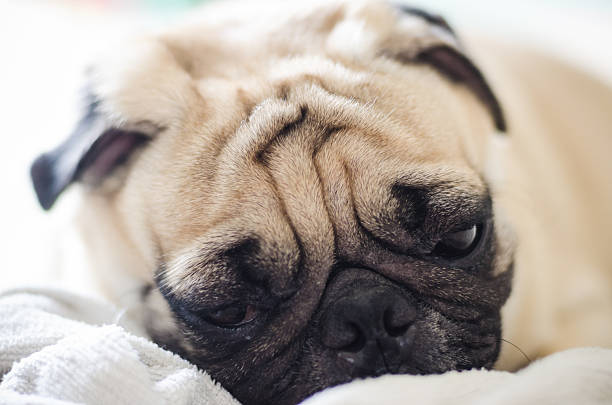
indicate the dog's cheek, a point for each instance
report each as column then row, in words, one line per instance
column 444, row 344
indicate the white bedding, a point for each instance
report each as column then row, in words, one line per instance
column 575, row 377
column 59, row 348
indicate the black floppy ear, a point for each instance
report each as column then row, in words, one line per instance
column 439, row 47
column 91, row 153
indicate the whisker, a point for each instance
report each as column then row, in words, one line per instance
column 517, row 348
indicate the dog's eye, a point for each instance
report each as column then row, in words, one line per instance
column 232, row 316
column 455, row 245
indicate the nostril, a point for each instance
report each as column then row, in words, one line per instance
column 396, row 321
column 358, row 340
column 343, row 336
column 338, row 329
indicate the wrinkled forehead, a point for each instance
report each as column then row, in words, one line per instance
column 412, row 117
column 407, row 114
column 362, row 55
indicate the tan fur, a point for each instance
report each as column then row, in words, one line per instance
column 220, row 97
column 558, row 193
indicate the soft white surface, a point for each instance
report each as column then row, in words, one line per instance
column 578, row 376
column 59, row 348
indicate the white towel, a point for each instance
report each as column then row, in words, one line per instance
column 578, row 376
column 59, row 348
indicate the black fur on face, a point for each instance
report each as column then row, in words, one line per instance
column 379, row 309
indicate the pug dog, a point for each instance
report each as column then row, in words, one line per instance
column 308, row 194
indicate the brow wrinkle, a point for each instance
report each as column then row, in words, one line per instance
column 261, row 155
column 286, row 216
column 329, row 132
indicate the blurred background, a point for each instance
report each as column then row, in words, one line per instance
column 46, row 44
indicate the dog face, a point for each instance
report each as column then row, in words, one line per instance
column 305, row 200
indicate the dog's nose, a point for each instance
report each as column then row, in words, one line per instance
column 370, row 330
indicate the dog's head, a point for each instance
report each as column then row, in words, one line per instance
column 304, row 191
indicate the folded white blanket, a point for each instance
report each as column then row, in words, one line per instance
column 578, row 376
column 59, row 348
